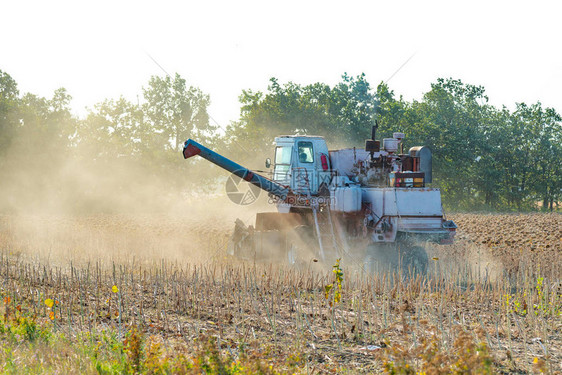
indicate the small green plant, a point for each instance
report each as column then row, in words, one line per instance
column 133, row 348
column 52, row 306
column 19, row 324
column 514, row 305
column 466, row 357
column 116, row 290
column 155, row 362
column 336, row 286
column 544, row 305
column 540, row 294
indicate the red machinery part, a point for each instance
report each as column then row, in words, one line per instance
column 324, row 161
column 191, row 150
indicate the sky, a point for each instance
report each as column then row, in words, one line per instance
column 105, row 49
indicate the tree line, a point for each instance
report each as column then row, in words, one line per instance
column 485, row 158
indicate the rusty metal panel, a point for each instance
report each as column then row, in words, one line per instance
column 277, row 221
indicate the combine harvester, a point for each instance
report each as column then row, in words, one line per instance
column 372, row 202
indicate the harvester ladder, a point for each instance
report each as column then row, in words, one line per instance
column 318, row 232
column 328, row 236
column 332, row 234
column 325, row 231
column 303, row 187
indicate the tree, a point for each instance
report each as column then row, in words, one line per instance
column 8, row 108
column 343, row 114
column 112, row 129
column 539, row 149
column 174, row 112
column 45, row 124
column 484, row 157
column 450, row 121
column 354, row 106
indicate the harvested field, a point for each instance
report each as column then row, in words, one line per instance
column 537, row 232
column 165, row 282
column 514, row 240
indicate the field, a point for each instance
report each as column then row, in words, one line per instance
column 158, row 294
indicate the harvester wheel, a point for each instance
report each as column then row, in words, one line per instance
column 241, row 241
column 381, row 257
column 415, row 259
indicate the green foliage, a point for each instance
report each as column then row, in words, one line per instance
column 18, row 325
column 484, row 157
column 173, row 112
column 467, row 356
column 112, row 129
column 8, row 106
column 336, row 286
column 133, row 348
column 89, row 164
column 339, row 113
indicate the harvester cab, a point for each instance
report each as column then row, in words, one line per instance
column 302, row 163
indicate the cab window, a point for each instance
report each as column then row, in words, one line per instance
column 306, row 154
column 283, row 155
column 282, row 164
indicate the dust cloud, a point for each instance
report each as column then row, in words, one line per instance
column 116, row 209
column 73, row 207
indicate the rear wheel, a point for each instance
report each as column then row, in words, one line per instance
column 381, row 257
column 414, row 259
column 396, row 256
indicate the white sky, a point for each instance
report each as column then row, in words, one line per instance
column 98, row 49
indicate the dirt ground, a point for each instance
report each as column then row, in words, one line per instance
column 176, row 282
column 511, row 240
